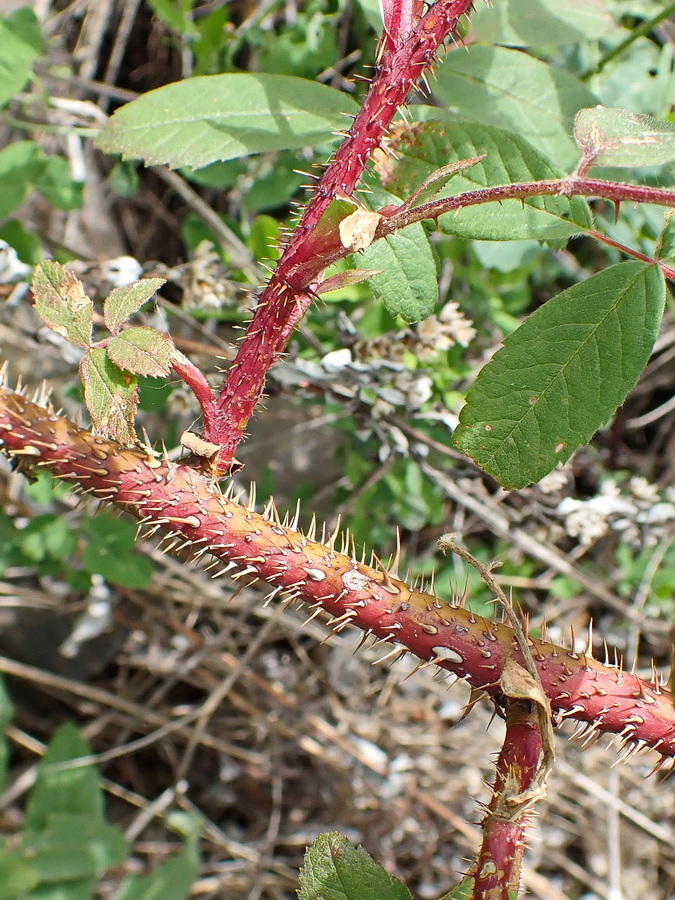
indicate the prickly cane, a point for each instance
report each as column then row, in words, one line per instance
column 409, row 47
column 188, row 504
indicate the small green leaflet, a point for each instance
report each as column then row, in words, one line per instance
column 509, row 89
column 67, row 844
column 562, row 374
column 110, row 539
column 335, row 869
column 142, row 351
column 531, row 23
column 461, row 891
column 217, row 117
column 666, row 245
column 25, row 167
column 616, row 137
column 124, row 301
column 61, row 303
column 508, row 158
column 70, row 790
column 20, row 44
column 407, row 282
column 173, row 878
column 111, row 396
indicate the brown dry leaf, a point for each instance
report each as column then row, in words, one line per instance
column 358, row 230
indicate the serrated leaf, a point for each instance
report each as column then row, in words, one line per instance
column 111, row 396
column 407, row 282
column 616, row 137
column 20, row 45
column 72, row 791
column 509, row 89
column 124, row 301
column 142, row 351
column 531, row 23
column 217, row 117
column 508, row 159
column 334, row 869
column 562, row 374
column 61, row 302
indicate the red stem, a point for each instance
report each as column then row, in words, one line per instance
column 187, row 502
column 497, row 873
column 288, row 293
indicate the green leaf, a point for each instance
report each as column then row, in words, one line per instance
column 56, row 185
column 335, row 869
column 61, row 303
column 26, row 244
column 217, row 117
column 142, row 351
column 173, row 879
column 6, row 716
column 17, row 876
column 173, row 14
column 47, row 536
column 616, row 137
column 70, row 847
column 531, row 23
column 425, row 148
column 64, row 791
column 562, row 374
column 111, row 396
column 20, row 44
column 124, row 301
column 21, row 165
column 110, row 553
column 666, row 244
column 406, row 281
column 509, row 89
column 461, row 891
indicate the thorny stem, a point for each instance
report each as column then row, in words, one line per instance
column 616, row 192
column 447, row 542
column 497, row 872
column 186, row 502
column 283, row 305
column 289, row 290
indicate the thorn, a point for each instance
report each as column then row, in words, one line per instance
column 395, row 562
